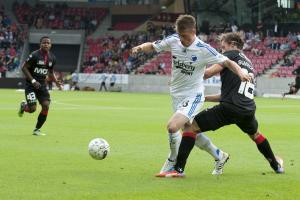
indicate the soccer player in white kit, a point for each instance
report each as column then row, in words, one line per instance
column 190, row 56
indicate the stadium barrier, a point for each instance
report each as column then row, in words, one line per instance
column 160, row 84
column 157, row 84
column 272, row 85
column 17, row 83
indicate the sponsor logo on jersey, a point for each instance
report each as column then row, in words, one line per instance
column 185, row 68
column 40, row 71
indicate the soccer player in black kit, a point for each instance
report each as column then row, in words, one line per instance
column 38, row 65
column 236, row 107
column 294, row 87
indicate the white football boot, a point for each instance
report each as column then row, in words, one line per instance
column 280, row 169
column 218, row 170
column 168, row 165
column 37, row 132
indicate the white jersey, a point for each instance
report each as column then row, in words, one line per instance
column 188, row 64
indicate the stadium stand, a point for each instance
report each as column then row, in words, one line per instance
column 12, row 37
column 109, row 54
column 59, row 16
column 288, row 65
column 122, row 26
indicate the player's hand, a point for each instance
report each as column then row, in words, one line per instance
column 36, row 85
column 246, row 77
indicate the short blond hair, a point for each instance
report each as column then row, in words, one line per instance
column 184, row 22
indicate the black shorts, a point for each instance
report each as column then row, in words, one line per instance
column 220, row 115
column 31, row 94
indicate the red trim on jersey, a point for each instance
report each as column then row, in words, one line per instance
column 260, row 138
column 189, row 134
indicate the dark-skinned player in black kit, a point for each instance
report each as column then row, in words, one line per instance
column 236, row 106
column 36, row 68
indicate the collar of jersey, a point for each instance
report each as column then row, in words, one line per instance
column 196, row 39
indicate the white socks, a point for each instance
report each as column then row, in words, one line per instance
column 174, row 140
column 204, row 143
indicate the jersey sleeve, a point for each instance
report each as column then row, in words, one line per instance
column 212, row 56
column 163, row 45
column 31, row 59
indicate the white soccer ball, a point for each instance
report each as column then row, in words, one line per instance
column 98, row 148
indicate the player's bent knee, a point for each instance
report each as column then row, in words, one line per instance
column 172, row 128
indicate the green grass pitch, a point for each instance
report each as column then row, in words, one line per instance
column 58, row 167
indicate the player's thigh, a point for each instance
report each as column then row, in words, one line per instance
column 248, row 124
column 190, row 106
column 30, row 95
column 43, row 95
column 212, row 119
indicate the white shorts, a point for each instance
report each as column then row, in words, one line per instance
column 188, row 106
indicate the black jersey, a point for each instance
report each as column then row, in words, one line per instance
column 40, row 63
column 297, row 73
column 236, row 94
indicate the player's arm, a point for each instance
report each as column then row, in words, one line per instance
column 55, row 79
column 213, row 98
column 213, row 70
column 235, row 68
column 219, row 61
column 157, row 46
column 25, row 70
column 145, row 47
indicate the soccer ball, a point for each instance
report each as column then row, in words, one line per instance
column 98, row 148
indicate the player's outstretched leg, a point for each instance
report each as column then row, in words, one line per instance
column 264, row 147
column 221, row 157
